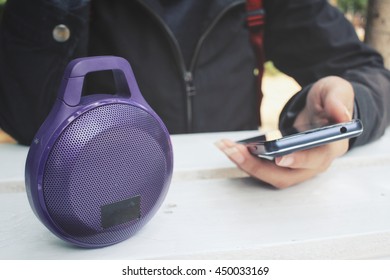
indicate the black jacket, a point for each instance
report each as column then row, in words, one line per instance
column 215, row 92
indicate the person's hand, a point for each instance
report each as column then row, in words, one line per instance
column 330, row 100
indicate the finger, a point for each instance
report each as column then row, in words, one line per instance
column 262, row 169
column 330, row 99
column 318, row 158
column 338, row 96
column 229, row 148
column 337, row 110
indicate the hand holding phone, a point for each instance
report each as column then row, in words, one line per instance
column 271, row 145
column 330, row 99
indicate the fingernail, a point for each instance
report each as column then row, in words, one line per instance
column 286, row 161
column 234, row 154
column 220, row 145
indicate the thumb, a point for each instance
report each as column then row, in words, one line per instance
column 337, row 111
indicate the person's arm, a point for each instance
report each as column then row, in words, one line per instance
column 310, row 40
column 35, row 47
column 341, row 77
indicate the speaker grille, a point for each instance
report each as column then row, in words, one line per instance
column 109, row 154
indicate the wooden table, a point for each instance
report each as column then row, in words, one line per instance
column 215, row 211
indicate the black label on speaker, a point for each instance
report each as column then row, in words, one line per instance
column 121, row 212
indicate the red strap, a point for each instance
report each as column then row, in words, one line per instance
column 255, row 22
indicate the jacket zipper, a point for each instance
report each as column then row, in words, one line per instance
column 188, row 75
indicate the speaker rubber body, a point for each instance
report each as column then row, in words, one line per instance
column 98, row 171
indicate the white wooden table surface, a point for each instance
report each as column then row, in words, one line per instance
column 214, row 211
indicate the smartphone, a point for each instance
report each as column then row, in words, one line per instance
column 278, row 143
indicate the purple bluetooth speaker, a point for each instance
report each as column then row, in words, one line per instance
column 100, row 165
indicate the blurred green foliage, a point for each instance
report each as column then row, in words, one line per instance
column 2, row 2
column 270, row 69
column 353, row 6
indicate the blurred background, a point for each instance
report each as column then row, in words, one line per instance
column 372, row 25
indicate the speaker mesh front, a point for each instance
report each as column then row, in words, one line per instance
column 109, row 154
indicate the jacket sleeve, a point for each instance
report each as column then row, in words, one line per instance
column 32, row 61
column 310, row 39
